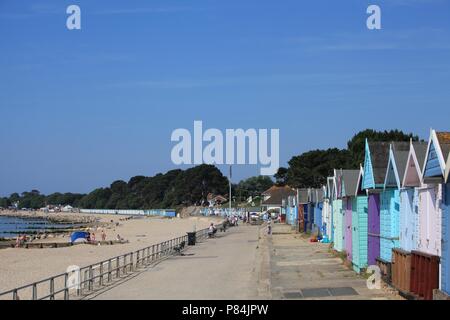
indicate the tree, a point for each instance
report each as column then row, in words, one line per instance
column 311, row 168
column 281, row 176
column 252, row 186
column 356, row 145
column 4, row 202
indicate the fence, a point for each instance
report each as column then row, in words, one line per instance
column 424, row 274
column 84, row 280
column 401, row 270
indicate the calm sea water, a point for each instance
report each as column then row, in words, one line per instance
column 11, row 226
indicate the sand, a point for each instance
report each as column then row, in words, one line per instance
column 20, row 266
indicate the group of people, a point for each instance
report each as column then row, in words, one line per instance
column 91, row 236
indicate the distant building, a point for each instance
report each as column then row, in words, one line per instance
column 216, row 200
column 273, row 198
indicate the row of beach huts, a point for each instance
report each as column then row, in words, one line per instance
column 393, row 212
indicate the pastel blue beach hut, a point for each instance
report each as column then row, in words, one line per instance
column 409, row 196
column 290, row 205
column 309, row 210
column 338, row 218
column 434, row 222
column 349, row 182
column 376, row 158
column 360, row 215
column 431, row 195
column 390, row 200
column 317, row 196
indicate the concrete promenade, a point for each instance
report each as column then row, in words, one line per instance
column 219, row 268
column 246, row 263
column 304, row 270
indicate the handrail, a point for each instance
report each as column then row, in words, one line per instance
column 88, row 274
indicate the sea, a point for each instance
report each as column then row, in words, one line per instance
column 10, row 227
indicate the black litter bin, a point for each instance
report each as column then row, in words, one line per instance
column 191, row 238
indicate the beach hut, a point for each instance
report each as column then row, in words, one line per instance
column 390, row 200
column 359, row 225
column 328, row 209
column 317, row 196
column 308, row 208
column 349, row 182
column 445, row 272
column 303, row 213
column 408, row 225
column 289, row 203
column 375, row 164
column 338, row 217
column 429, row 245
column 431, row 195
column 409, row 199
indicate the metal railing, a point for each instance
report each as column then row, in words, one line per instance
column 86, row 279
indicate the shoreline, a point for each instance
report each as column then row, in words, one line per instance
column 57, row 217
column 73, row 221
column 20, row 266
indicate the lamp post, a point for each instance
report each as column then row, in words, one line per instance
column 229, row 184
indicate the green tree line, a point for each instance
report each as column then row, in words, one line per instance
column 169, row 190
column 310, row 169
column 190, row 187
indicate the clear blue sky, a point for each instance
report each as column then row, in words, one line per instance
column 80, row 109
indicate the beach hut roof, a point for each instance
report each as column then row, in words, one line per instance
column 349, row 182
column 320, row 194
column 337, row 183
column 375, row 164
column 376, row 161
column 330, row 187
column 303, row 195
column 413, row 168
column 444, row 141
column 313, row 195
column 438, row 151
column 316, row 195
column 420, row 149
column 359, row 189
column 398, row 157
column 447, row 169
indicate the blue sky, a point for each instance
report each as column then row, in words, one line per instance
column 80, row 109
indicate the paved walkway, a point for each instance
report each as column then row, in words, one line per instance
column 304, row 270
column 220, row 268
column 246, row 263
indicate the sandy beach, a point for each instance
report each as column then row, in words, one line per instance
column 22, row 266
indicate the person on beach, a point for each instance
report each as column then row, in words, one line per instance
column 93, row 237
column 212, row 230
column 103, row 235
